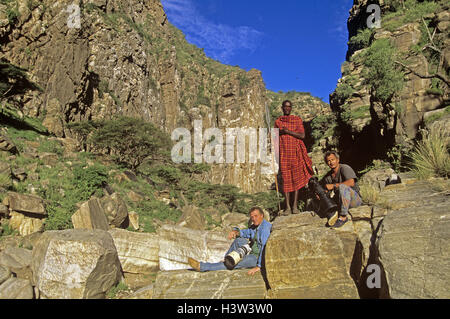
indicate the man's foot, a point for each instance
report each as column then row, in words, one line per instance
column 340, row 222
column 286, row 212
column 332, row 218
column 194, row 264
column 295, row 211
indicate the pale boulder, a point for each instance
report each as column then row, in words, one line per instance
column 138, row 252
column 177, row 243
column 75, row 264
column 305, row 259
column 90, row 216
column 225, row 284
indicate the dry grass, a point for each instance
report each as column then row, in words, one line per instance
column 430, row 157
column 369, row 193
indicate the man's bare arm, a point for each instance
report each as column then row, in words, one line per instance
column 350, row 182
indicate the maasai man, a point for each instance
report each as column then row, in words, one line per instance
column 296, row 166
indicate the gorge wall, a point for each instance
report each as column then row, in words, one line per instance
column 390, row 90
column 128, row 59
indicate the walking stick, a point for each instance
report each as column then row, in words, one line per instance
column 273, row 156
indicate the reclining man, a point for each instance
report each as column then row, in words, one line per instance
column 342, row 179
column 258, row 233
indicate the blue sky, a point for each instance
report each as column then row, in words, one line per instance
column 298, row 45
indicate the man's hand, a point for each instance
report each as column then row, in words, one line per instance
column 233, row 234
column 253, row 271
column 329, row 187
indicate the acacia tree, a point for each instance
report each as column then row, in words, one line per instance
column 130, row 141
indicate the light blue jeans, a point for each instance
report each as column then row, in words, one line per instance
column 249, row 261
column 348, row 198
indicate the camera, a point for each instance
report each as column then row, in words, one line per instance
column 234, row 257
column 327, row 205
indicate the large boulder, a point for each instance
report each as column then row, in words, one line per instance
column 182, row 284
column 17, row 260
column 24, row 224
column 90, row 216
column 16, row 288
column 27, row 212
column 5, row 273
column 26, row 204
column 75, row 263
column 115, row 209
column 414, row 240
column 305, row 259
column 138, row 252
column 177, row 243
column 192, row 217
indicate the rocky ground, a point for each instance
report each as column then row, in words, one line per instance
column 405, row 233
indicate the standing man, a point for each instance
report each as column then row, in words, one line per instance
column 295, row 164
column 342, row 179
column 259, row 234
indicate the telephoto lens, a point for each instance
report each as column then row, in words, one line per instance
column 233, row 258
column 327, row 205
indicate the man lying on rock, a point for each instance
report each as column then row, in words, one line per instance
column 342, row 179
column 242, row 254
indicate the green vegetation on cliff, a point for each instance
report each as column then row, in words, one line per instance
column 383, row 77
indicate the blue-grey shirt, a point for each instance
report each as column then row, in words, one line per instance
column 260, row 234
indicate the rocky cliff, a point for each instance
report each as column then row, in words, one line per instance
column 126, row 58
column 395, row 78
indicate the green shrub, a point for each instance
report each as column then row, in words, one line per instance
column 344, row 91
column 14, row 80
column 362, row 39
column 430, row 157
column 112, row 293
column 322, row 125
column 64, row 189
column 130, row 141
column 88, row 180
column 382, row 76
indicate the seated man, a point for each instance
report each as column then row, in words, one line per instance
column 342, row 179
column 259, row 233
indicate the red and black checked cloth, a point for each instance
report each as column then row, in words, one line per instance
column 295, row 164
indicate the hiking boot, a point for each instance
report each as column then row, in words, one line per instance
column 332, row 218
column 339, row 223
column 194, row 264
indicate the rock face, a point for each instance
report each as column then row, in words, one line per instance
column 368, row 126
column 414, row 240
column 182, row 284
column 128, row 59
column 177, row 243
column 138, row 252
column 304, row 259
column 75, row 263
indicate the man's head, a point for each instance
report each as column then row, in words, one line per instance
column 286, row 106
column 256, row 215
column 332, row 159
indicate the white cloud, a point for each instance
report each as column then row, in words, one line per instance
column 220, row 41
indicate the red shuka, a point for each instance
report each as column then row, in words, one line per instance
column 295, row 164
